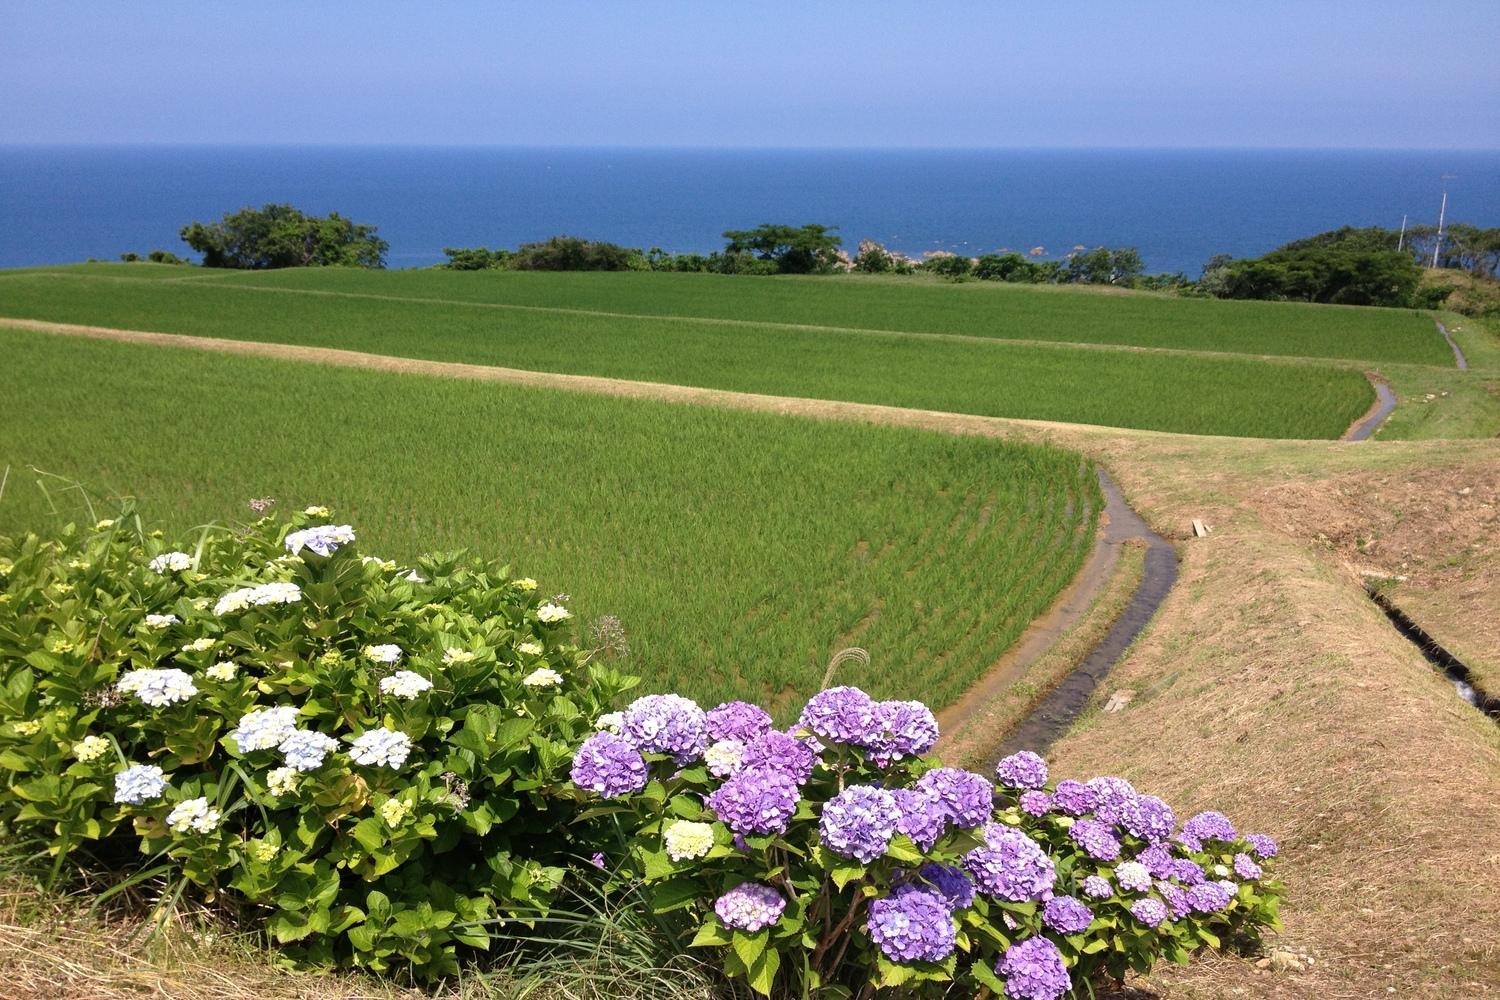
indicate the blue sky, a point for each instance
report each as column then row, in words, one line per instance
column 1314, row 73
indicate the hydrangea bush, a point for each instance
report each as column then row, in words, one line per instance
column 375, row 755
column 839, row 853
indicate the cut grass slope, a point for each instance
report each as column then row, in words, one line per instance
column 739, row 549
column 1192, row 394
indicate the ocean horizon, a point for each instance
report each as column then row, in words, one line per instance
column 67, row 203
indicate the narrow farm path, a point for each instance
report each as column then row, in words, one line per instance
column 1385, row 402
column 1458, row 353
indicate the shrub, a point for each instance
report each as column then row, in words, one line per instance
column 839, row 853
column 374, row 755
column 570, row 253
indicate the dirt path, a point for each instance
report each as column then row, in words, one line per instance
column 1385, row 402
column 1458, row 354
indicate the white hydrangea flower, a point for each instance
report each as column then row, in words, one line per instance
column 199, row 645
column 551, row 613
column 542, row 677
column 384, row 564
column 685, row 840
column 193, row 814
column 324, row 539
column 405, row 684
column 385, row 653
column 394, row 811
column 381, row 748
column 224, row 670
column 306, row 750
column 264, row 728
column 526, row 583
column 612, row 721
column 26, row 727
column 281, row 780
column 276, row 592
column 263, row 850
column 457, row 656
column 415, row 577
column 139, row 783
column 530, row 648
column 317, row 510
column 157, row 687
column 90, row 748
column 170, row 562
column 161, row 621
column 724, row 758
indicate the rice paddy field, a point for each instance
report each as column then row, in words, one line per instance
column 976, row 348
column 740, row 550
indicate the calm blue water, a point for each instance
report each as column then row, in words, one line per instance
column 1179, row 207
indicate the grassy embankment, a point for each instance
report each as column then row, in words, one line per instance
column 1176, row 389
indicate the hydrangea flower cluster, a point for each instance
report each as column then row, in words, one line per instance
column 380, row 748
column 921, row 817
column 1263, row 846
column 1067, row 915
column 139, row 783
column 1148, row 818
column 965, row 798
column 912, row 925
column 859, row 822
column 1110, row 795
column 1097, row 887
column 324, row 539
column 264, row 728
column 756, row 801
column 724, row 757
column 841, row 715
column 1011, row 866
column 1151, row 912
column 1096, row 839
column 170, row 562
column 1074, row 797
column 1036, row 803
column 305, row 750
column 951, row 884
column 737, row 720
column 405, row 684
column 162, row 621
column 1206, row 826
column 609, row 765
column 1021, row 770
column 1133, row 876
column 750, row 906
column 542, row 677
column 260, row 595
column 1033, row 969
column 685, row 841
column 667, row 724
column 386, row 652
column 91, row 748
column 157, row 687
column 902, row 729
column 193, row 815
column 781, row 752
column 550, row 614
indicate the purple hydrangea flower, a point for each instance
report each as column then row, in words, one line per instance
column 1067, row 915
column 1033, row 969
column 736, row 720
column 1246, row 868
column 841, row 715
column 1111, row 794
column 1176, row 898
column 1035, row 803
column 966, row 798
column 1187, row 872
column 1263, row 846
column 911, row 925
column 950, row 884
column 667, row 723
column 1148, row 818
column 1209, row 897
column 1133, row 876
column 750, row 906
column 920, row 817
column 1148, row 911
column 597, row 859
column 756, row 801
column 859, row 822
column 1013, row 867
column 1021, row 770
column 1097, row 887
column 1208, row 826
column 609, row 765
column 903, row 729
column 1097, row 840
column 1074, row 797
column 777, row 751
column 1158, row 861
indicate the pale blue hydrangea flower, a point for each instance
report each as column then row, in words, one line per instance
column 264, row 728
column 139, row 783
column 381, row 748
column 305, row 750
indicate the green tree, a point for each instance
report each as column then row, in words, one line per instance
column 275, row 236
column 949, row 266
column 570, row 253
column 809, row 249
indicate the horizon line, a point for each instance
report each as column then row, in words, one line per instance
column 726, row 148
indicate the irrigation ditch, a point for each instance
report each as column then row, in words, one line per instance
column 1452, row 667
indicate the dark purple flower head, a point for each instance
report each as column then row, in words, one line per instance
column 1246, row 868
column 912, row 926
column 1067, row 915
column 859, row 822
column 609, row 765
column 1021, row 770
column 750, row 906
column 1263, row 846
column 737, row 720
column 1148, row 818
column 1097, row 887
column 1176, row 898
column 902, row 729
column 1209, row 897
column 841, row 715
column 920, row 817
column 756, row 801
column 1033, row 969
column 1158, row 860
column 1013, row 867
column 1074, row 797
column 1187, row 872
column 1209, row 826
column 1035, row 803
column 965, row 798
column 950, row 884
column 777, row 751
column 1149, row 911
column 1111, row 795
column 666, row 723
column 1097, row 840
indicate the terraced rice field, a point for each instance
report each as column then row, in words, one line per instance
column 739, row 549
column 981, row 371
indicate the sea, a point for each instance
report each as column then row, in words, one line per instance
column 1177, row 207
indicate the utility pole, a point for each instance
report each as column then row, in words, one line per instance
column 1401, row 240
column 1442, row 211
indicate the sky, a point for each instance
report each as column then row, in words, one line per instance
column 1412, row 74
